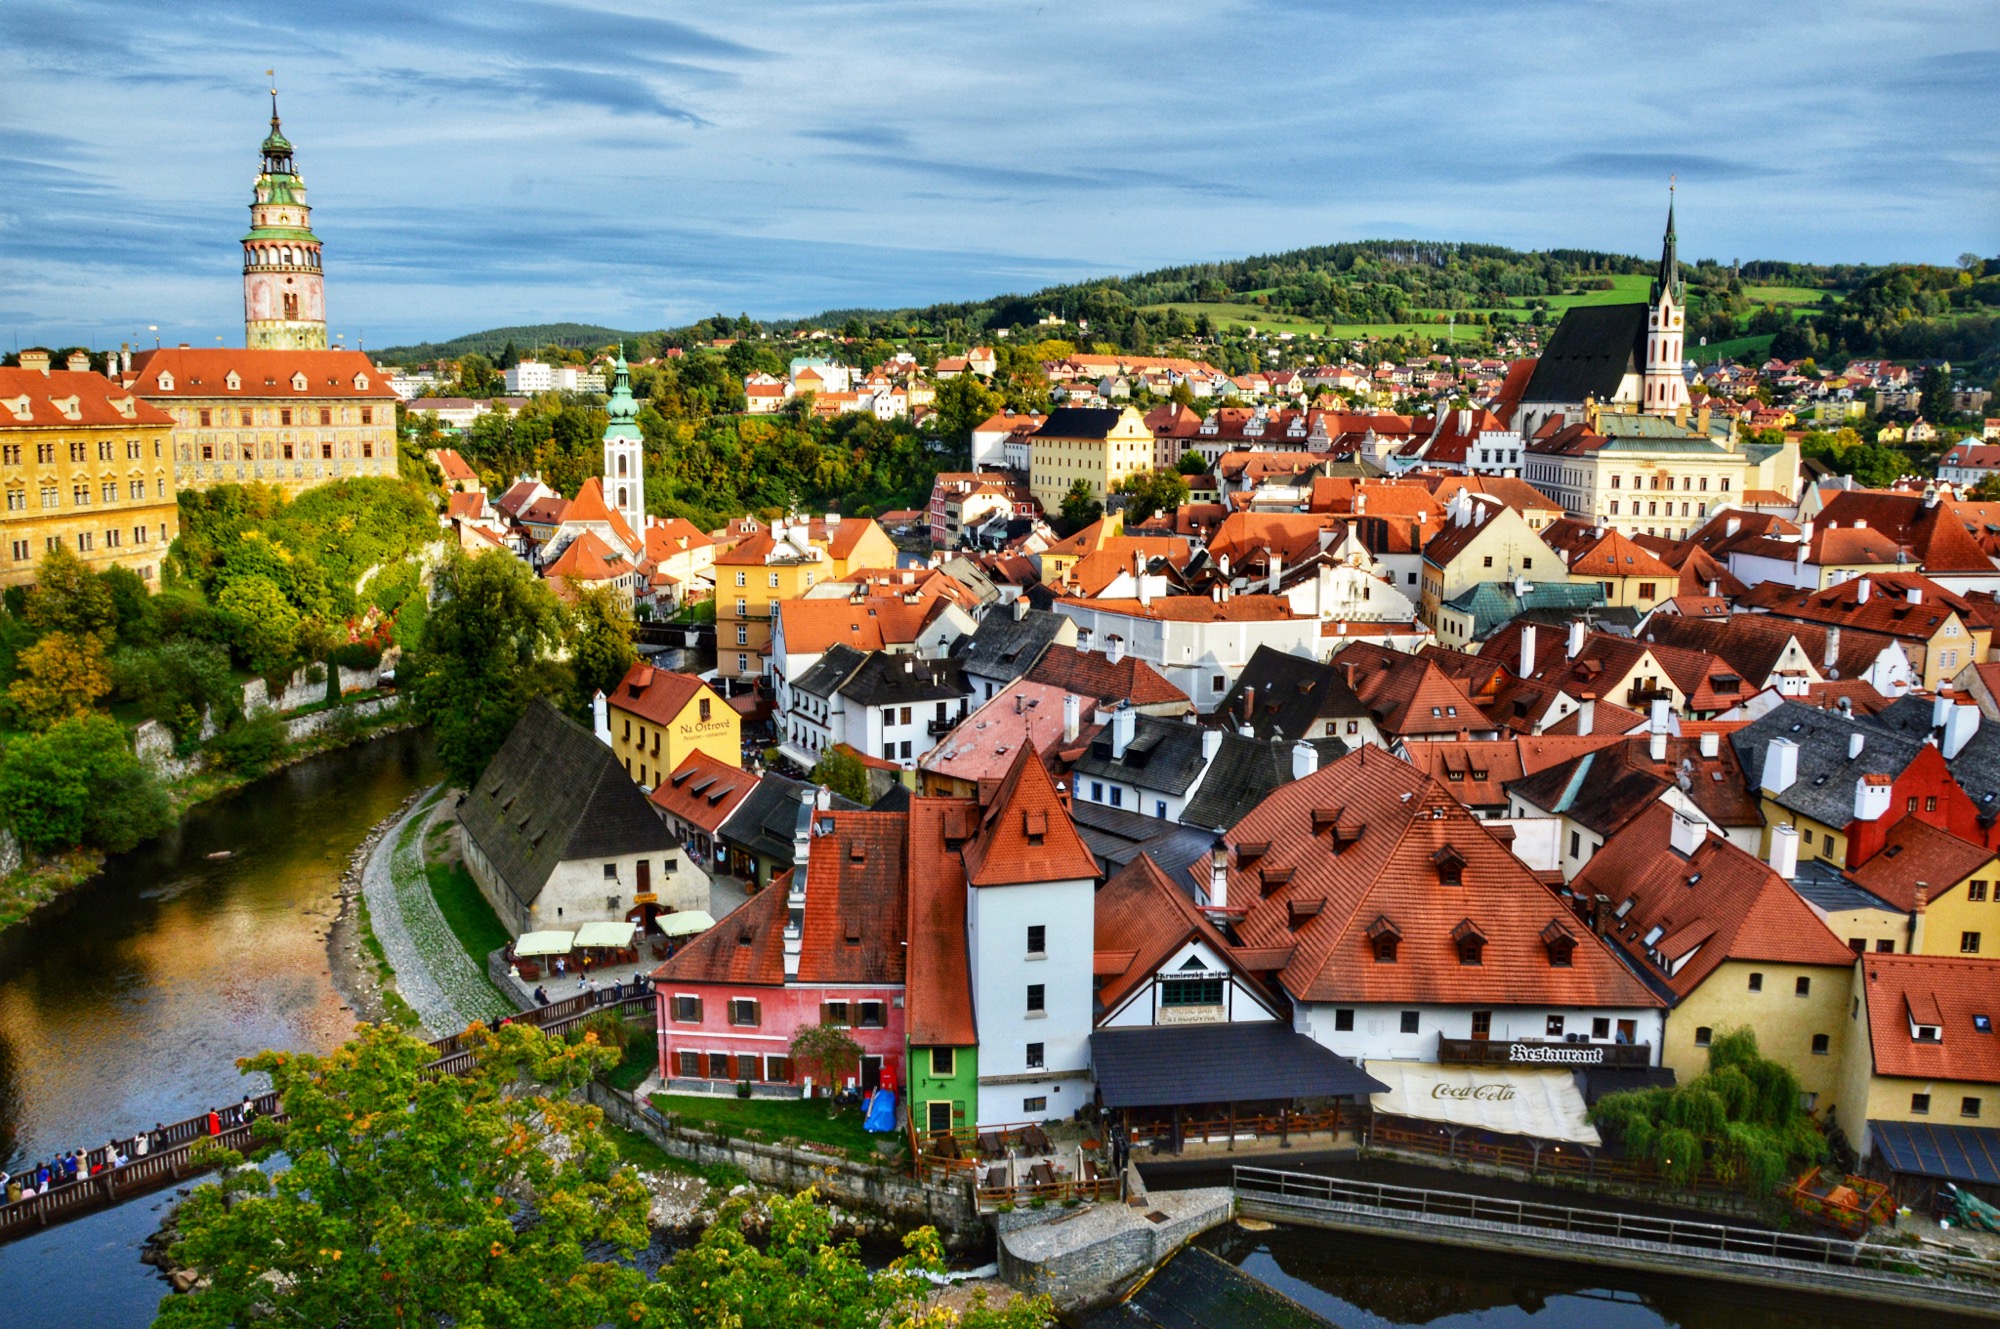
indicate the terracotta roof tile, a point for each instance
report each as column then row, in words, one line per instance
column 30, row 399
column 203, row 372
column 1952, row 990
column 703, row 791
column 939, row 996
column 1915, row 851
column 1090, row 674
column 588, row 558
column 1026, row 834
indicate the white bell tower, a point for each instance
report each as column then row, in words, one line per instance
column 1666, row 328
column 625, row 456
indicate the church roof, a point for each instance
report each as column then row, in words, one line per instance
column 1594, row 347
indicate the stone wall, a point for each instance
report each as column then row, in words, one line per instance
column 1092, row 1255
column 300, row 691
column 949, row 1208
column 305, row 726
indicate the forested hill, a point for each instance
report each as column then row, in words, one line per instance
column 492, row 342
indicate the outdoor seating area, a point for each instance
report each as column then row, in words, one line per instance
column 1844, row 1203
column 1020, row 1165
column 603, row 945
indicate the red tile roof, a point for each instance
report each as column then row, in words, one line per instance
column 1389, row 875
column 1142, row 919
column 938, row 1010
column 1474, row 771
column 1913, row 852
column 588, row 558
column 204, row 372
column 1408, row 694
column 589, row 506
column 1026, row 834
column 470, row 507
column 703, row 791
column 1887, row 608
column 659, row 695
column 1946, row 991
column 30, row 399
column 1093, row 675
column 878, row 621
column 453, row 466
column 856, row 895
column 1195, row 608
column 746, row 947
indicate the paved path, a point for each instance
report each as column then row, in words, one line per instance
column 433, row 972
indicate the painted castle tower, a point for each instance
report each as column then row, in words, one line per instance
column 284, row 291
column 1666, row 317
column 625, row 454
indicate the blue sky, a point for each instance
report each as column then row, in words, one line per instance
column 478, row 164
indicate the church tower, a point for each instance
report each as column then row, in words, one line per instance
column 1666, row 318
column 625, row 455
column 284, row 291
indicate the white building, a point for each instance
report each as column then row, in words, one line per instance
column 1199, row 643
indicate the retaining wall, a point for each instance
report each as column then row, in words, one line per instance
column 1093, row 1254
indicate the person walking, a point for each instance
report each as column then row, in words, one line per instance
column 141, row 1144
column 248, row 1112
column 214, row 1122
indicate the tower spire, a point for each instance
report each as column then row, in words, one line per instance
column 1668, row 282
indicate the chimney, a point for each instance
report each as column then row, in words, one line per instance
column 79, row 362
column 1714, row 589
column 1249, row 708
column 1211, row 743
column 124, row 357
column 1831, row 655
column 1305, row 760
column 1871, row 797
column 1020, row 703
column 600, row 719
column 1661, row 719
column 795, row 897
column 1527, row 663
column 1785, row 852
column 1686, row 835
column 1124, row 723
column 35, row 362
column 1072, row 717
column 1915, row 595
column 1218, row 875
column 1656, row 745
column 1855, row 742
column 909, row 664
column 1145, row 589
column 1781, row 765
column 1861, row 589
column 1115, row 651
column 1940, row 709
column 1277, row 571
column 1959, row 727
column 1711, row 744
column 1586, row 715
column 1575, row 647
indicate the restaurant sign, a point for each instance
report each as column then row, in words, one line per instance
column 1555, row 1054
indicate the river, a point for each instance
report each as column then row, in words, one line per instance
column 128, row 1000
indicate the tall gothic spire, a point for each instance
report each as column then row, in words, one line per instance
column 1668, row 281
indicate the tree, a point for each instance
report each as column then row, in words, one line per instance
column 1935, row 397
column 1987, row 490
column 1191, row 463
column 68, row 597
column 1079, row 507
column 826, row 1052
column 487, row 650
column 78, row 784
column 60, row 676
column 963, row 403
column 844, row 775
column 600, row 637
column 1148, row 492
column 410, row 1200
column 263, row 624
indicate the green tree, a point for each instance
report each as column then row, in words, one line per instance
column 59, row 676
column 263, row 624
column 826, row 1052
column 412, row 1200
column 176, row 682
column 962, row 404
column 1148, row 492
column 600, row 641
column 1935, row 395
column 68, row 597
column 1191, row 463
column 840, row 772
column 488, row 648
column 78, row 783
column 1079, row 507
column 1988, row 489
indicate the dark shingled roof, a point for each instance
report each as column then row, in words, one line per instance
column 1085, row 421
column 554, row 793
column 1003, row 649
column 885, row 678
column 764, row 821
column 1244, row 770
column 1594, row 347
column 1164, row 755
column 1117, row 836
column 1947, row 1153
column 828, row 672
column 1169, row 1065
column 1824, row 790
column 1293, row 694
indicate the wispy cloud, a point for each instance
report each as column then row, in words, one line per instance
column 480, row 161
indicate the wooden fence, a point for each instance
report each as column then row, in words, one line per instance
column 1566, row 1159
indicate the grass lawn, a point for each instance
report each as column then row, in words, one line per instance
column 777, row 1118
column 466, row 912
column 1784, row 295
column 1257, row 316
column 1736, row 348
column 642, row 1058
column 1627, row 288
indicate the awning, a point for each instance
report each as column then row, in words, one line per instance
column 1176, row 1065
column 1543, row 1105
column 1945, row 1153
column 545, row 943
column 1601, row 1080
column 685, row 923
column 605, row 935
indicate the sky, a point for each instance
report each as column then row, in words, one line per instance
column 478, row 163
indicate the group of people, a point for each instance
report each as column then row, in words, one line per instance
column 617, row 992
column 82, row 1164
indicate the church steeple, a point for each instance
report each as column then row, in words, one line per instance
column 1665, row 381
column 625, row 453
column 1668, row 280
column 284, row 290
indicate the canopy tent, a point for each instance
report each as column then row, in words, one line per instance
column 1177, row 1065
column 1543, row 1105
column 604, row 935
column 545, row 943
column 685, row 923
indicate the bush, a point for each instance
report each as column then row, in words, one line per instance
column 176, row 681
column 355, row 655
column 79, row 784
column 610, row 1028
column 251, row 746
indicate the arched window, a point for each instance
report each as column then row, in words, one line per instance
column 621, row 495
column 621, row 471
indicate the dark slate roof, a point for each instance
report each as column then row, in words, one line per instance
column 828, row 672
column 1170, row 1065
column 1593, row 348
column 888, row 679
column 1831, row 891
column 1165, row 754
column 1976, row 768
column 1824, row 790
column 554, row 793
column 1293, row 693
column 1003, row 649
column 1948, row 1153
column 1595, row 790
column 1079, row 422
column 764, row 821
column 896, row 800
column 1597, row 1081
column 1117, row 836
column 1244, row 770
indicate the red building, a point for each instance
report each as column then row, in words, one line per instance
column 1925, row 790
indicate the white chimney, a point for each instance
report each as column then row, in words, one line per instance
column 1781, row 765
column 1871, row 797
column 1305, row 760
column 1915, row 595
column 1661, row 719
column 1656, row 745
column 1959, row 727
column 1145, row 591
column 1575, row 638
column 1211, row 743
column 1830, row 657
column 795, row 897
column 1586, row 715
column 600, row 719
column 1124, row 722
column 1277, row 572
column 1527, row 663
column 1855, row 742
column 1114, row 651
column 1711, row 744
column 1861, row 589
column 1020, row 607
column 1687, row 834
column 1785, row 852
column 1072, row 716
column 1218, row 875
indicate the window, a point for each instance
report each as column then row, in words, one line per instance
column 1968, row 1107
column 718, row 1065
column 1191, row 992
column 1575, row 844
column 1487, row 561
column 20, row 551
column 1920, row 1105
column 944, row 1061
column 1555, row 1026
column 1802, row 987
column 690, row 1065
column 1097, row 791
column 1822, row 1044
column 1974, row 889
column 743, row 1011
column 1037, row 999
column 873, row 1015
column 1885, row 946
column 1409, row 1022
column 687, row 1010
column 1702, row 1035
column 285, row 415
column 1035, row 1059
column 1756, row 982
column 1035, row 1104
column 1648, row 590
column 611, row 872
column 368, row 415
column 937, row 1116
column 1218, row 684
column 740, row 582
column 833, row 1012
column 1482, row 1024
column 1038, row 940
column 1343, row 1020
column 1968, row 943
column 1385, row 948
column 1930, row 802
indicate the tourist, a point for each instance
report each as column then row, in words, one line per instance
column 141, row 1144
column 214, row 1122
column 617, row 990
column 13, row 1190
column 159, row 1135
column 541, row 995
column 248, row 1112
column 41, row 1178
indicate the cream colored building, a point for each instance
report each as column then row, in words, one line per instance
column 293, row 419
column 1097, row 445
column 1920, row 1045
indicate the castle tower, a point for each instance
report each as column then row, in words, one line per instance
column 284, row 291
column 625, row 454
column 1666, row 318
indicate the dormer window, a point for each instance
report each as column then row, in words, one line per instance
column 1471, row 942
column 1926, row 1033
column 1450, row 865
column 1383, row 937
column 361, row 382
column 298, row 382
column 166, row 381
column 234, row 381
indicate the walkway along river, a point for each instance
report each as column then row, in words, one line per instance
column 128, row 1000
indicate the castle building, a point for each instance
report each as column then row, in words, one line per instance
column 284, row 289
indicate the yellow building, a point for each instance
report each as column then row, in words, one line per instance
column 1921, row 1047
column 1483, row 540
column 781, row 563
column 1945, row 886
column 658, row 718
column 85, row 464
column 1099, row 445
column 293, row 419
column 1630, row 576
